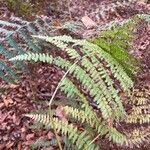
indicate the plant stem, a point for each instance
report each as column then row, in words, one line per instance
column 55, row 132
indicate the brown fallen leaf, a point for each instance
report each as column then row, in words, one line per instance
column 9, row 145
column 28, row 142
column 7, row 101
column 88, row 22
column 61, row 113
column 50, row 135
column 29, row 136
column 15, row 119
column 2, row 117
column 1, row 105
column 23, row 129
column 13, row 86
column 19, row 146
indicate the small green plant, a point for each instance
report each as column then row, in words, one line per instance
column 30, row 8
column 20, row 7
column 25, row 8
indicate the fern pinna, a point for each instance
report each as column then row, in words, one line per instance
column 93, row 67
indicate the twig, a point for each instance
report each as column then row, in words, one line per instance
column 50, row 102
column 93, row 141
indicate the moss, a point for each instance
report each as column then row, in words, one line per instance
column 25, row 9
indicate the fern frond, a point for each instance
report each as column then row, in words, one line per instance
column 69, row 88
column 89, row 84
column 80, row 115
column 43, row 143
column 101, row 127
column 80, row 139
column 117, row 48
column 106, row 85
column 81, row 75
column 138, row 137
column 139, row 97
column 138, row 118
column 88, row 47
column 88, row 66
column 139, row 100
column 61, row 42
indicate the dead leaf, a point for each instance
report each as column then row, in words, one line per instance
column 23, row 129
column 19, row 146
column 57, row 24
column 50, row 135
column 7, row 101
column 13, row 86
column 28, row 142
column 15, row 119
column 61, row 113
column 9, row 145
column 1, row 105
column 2, row 117
column 29, row 136
column 88, row 22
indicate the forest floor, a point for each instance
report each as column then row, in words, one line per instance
column 18, row 99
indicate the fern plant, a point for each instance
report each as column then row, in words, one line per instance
column 93, row 67
column 97, row 70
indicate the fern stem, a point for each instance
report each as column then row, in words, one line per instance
column 59, row 84
column 57, row 137
column 79, row 59
column 55, row 132
column 93, row 140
